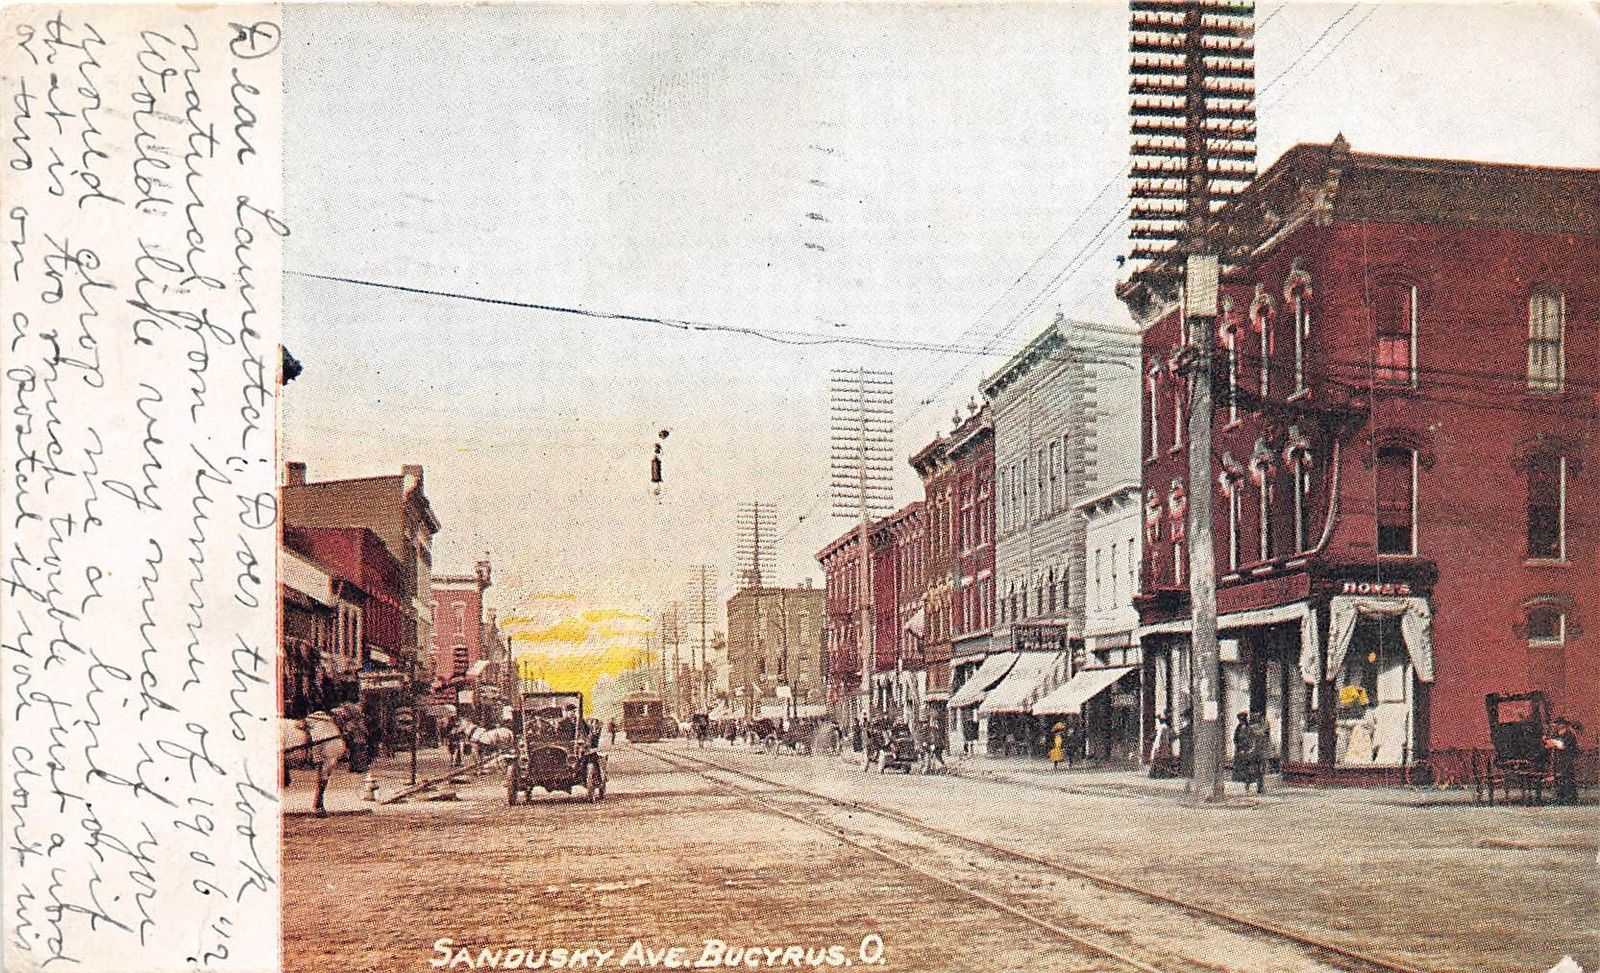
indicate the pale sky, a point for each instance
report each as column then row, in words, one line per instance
column 662, row 160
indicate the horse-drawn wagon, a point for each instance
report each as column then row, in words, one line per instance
column 556, row 748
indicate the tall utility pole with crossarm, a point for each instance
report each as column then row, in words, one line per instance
column 1194, row 146
column 861, row 435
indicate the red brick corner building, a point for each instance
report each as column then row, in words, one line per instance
column 1406, row 485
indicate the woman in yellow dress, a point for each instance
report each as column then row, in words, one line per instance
column 1058, row 745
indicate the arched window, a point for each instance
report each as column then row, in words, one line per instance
column 1394, row 311
column 1547, row 507
column 1547, row 326
column 1397, row 500
column 1297, row 295
column 1231, row 344
column 1264, row 320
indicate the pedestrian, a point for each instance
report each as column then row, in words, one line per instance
column 1058, row 745
column 1243, row 741
column 1077, row 742
column 1562, row 741
column 935, row 746
column 1260, row 751
column 969, row 736
column 611, row 731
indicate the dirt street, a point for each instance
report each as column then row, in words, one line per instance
column 674, row 858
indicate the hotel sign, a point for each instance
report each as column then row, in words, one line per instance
column 1377, row 588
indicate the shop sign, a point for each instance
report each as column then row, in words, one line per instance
column 382, row 680
column 1377, row 588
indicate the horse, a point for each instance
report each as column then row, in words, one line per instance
column 320, row 741
column 465, row 735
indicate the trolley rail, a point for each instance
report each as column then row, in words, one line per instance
column 1346, row 956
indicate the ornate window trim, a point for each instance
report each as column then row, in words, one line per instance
column 1572, row 628
column 1400, row 437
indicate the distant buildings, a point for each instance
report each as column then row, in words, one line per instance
column 372, row 539
column 775, row 651
column 458, row 623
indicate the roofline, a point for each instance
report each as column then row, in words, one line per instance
column 1129, row 486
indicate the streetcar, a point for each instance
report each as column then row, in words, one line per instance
column 644, row 717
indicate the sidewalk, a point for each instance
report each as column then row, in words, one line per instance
column 347, row 792
column 1103, row 781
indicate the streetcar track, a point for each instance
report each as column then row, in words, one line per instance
column 1255, row 926
column 756, row 797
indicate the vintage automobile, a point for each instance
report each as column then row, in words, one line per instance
column 556, row 748
column 1517, row 724
column 895, row 749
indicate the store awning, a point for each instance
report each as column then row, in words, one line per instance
column 1081, row 688
column 1416, row 629
column 1022, row 684
column 993, row 669
column 1300, row 611
column 475, row 671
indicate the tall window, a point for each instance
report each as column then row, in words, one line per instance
column 1178, row 564
column 1266, row 515
column 1235, row 512
column 1547, row 360
column 1179, row 391
column 1026, row 506
column 1055, row 480
column 1547, row 507
column 1232, row 351
column 1113, row 576
column 1302, row 501
column 1154, row 414
column 1396, row 321
column 1302, row 334
column 1133, row 565
column 1397, row 501
column 1264, row 324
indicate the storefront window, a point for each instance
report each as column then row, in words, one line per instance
column 1375, row 696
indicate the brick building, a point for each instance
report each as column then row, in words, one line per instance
column 957, row 473
column 369, row 623
column 1407, row 365
column 776, row 637
column 458, row 623
column 396, row 510
column 895, row 604
column 899, row 566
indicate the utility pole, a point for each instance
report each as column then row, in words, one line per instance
column 757, row 524
column 701, row 596
column 1194, row 130
column 671, row 633
column 861, row 434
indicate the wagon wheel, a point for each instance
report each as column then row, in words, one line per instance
column 594, row 783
